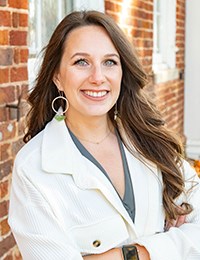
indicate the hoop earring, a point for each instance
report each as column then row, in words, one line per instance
column 116, row 112
column 60, row 113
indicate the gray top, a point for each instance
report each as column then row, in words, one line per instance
column 128, row 199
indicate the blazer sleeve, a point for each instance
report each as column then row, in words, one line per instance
column 180, row 243
column 38, row 233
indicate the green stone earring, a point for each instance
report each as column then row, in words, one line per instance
column 60, row 113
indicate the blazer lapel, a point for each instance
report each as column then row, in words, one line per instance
column 147, row 187
column 61, row 156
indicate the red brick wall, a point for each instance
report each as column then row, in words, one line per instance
column 138, row 25
column 13, row 81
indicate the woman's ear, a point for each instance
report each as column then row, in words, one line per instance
column 56, row 81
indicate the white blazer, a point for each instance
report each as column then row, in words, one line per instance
column 62, row 206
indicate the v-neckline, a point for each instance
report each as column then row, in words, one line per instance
column 128, row 198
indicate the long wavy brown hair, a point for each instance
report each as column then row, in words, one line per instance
column 138, row 116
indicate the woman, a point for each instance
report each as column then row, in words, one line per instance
column 103, row 178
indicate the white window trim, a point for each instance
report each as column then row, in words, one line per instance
column 193, row 148
column 98, row 5
column 164, row 60
column 166, row 75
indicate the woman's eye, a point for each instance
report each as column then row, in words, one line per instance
column 81, row 62
column 110, row 62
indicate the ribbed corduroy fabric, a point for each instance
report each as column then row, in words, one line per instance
column 62, row 206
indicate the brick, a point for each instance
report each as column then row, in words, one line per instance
column 5, row 18
column 4, row 227
column 6, row 56
column 180, row 31
column 7, row 94
column 17, row 256
column 137, row 33
column 114, row 16
column 4, row 75
column 8, row 130
column 23, row 20
column 148, row 34
column 20, row 4
column 139, row 4
column 142, row 24
column 19, row 19
column 14, row 254
column 3, row 2
column 108, row 5
column 24, row 55
column 5, row 150
column 3, row 209
column 18, row 74
column 4, row 37
column 24, row 91
column 24, row 108
column 15, row 19
column 4, row 189
column 149, row 7
column 8, row 257
column 114, row 7
column 5, row 169
column 6, row 244
column 16, row 146
column 148, row 43
column 16, row 56
column 18, row 38
column 144, row 52
column 3, row 114
column 137, row 13
column 13, row 115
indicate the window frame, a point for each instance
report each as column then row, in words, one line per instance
column 164, row 38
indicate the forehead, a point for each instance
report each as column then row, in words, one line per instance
column 89, row 37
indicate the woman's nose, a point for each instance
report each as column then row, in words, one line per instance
column 97, row 75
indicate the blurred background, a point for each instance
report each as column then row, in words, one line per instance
column 166, row 36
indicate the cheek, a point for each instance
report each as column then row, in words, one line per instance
column 68, row 82
column 118, row 80
column 76, row 78
column 118, row 76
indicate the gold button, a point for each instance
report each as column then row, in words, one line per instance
column 96, row 243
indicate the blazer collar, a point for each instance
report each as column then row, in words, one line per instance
column 57, row 148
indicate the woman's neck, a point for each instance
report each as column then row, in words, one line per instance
column 93, row 130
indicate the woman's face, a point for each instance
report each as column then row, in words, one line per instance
column 90, row 72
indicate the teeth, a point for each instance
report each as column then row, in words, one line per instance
column 95, row 94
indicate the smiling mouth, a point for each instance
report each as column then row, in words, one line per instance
column 95, row 93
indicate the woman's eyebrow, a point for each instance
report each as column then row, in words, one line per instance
column 87, row 55
column 112, row 54
column 79, row 54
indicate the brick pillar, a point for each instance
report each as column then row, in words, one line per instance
column 13, row 82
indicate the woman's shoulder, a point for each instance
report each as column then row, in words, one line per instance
column 29, row 150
